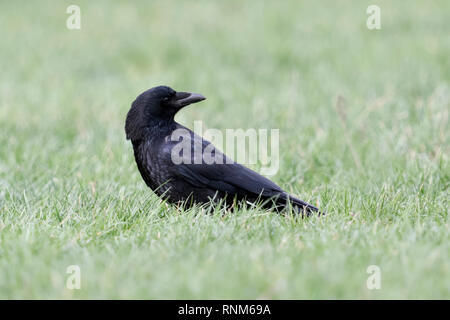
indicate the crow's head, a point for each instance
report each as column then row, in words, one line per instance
column 158, row 103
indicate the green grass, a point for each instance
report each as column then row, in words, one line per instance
column 364, row 134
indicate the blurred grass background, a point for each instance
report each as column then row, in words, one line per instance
column 364, row 133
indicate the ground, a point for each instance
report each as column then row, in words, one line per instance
column 364, row 134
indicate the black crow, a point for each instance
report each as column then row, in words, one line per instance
column 183, row 175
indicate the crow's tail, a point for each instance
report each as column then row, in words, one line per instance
column 299, row 205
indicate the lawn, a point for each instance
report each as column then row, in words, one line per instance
column 363, row 117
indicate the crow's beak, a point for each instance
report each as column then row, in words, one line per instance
column 183, row 99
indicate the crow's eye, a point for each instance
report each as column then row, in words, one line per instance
column 165, row 99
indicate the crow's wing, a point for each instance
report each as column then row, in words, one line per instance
column 223, row 175
column 230, row 178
